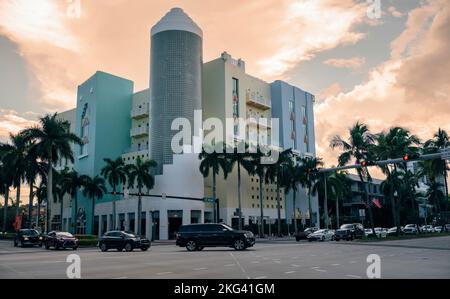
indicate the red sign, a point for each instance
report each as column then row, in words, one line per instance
column 18, row 223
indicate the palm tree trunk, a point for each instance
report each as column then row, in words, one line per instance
column 369, row 209
column 337, row 212
column 5, row 209
column 325, row 202
column 278, row 209
column 75, row 216
column 446, row 186
column 18, row 199
column 216, row 213
column 38, row 212
column 309, row 207
column 30, row 206
column 93, row 216
column 49, row 193
column 114, row 208
column 261, row 200
column 295, row 212
column 239, row 197
column 139, row 216
column 62, row 211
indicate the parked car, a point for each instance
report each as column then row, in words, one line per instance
column 368, row 233
column 393, row 231
column 410, row 229
column 381, row 232
column 350, row 232
column 304, row 234
column 427, row 229
column 60, row 240
column 446, row 228
column 438, row 229
column 196, row 237
column 121, row 240
column 321, row 235
column 28, row 237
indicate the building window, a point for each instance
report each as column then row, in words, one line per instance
column 236, row 105
column 84, row 136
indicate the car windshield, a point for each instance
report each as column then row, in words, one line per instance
column 410, row 225
column 347, row 226
column 130, row 234
column 67, row 235
column 320, row 231
column 228, row 227
column 29, row 232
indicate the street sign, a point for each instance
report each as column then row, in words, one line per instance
column 209, row 199
column 445, row 154
column 362, row 213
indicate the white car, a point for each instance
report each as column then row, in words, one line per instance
column 410, row 229
column 321, row 235
column 381, row 232
column 437, row 229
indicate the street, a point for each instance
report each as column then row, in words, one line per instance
column 419, row 258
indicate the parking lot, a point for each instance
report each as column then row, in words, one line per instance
column 419, row 258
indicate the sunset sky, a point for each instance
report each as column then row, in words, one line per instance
column 394, row 70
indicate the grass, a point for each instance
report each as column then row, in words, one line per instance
column 405, row 237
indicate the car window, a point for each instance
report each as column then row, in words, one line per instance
column 67, row 235
column 347, row 226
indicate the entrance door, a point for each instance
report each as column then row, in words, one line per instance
column 175, row 222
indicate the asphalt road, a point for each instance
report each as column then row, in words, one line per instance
column 420, row 258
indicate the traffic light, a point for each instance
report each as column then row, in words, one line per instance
column 409, row 157
column 367, row 163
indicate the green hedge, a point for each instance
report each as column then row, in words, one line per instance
column 7, row 236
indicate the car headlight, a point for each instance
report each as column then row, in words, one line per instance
column 248, row 235
column 40, row 238
column 25, row 239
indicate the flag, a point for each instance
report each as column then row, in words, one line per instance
column 377, row 203
column 18, row 223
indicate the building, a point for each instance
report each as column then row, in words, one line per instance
column 176, row 80
column 295, row 110
column 357, row 201
column 114, row 121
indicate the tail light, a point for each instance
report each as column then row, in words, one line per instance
column 177, row 236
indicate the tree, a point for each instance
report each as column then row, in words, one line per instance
column 435, row 195
column 240, row 158
column 216, row 161
column 360, row 148
column 15, row 156
column 276, row 174
column 59, row 193
column 33, row 169
column 308, row 176
column 293, row 178
column 334, row 186
column 139, row 177
column 71, row 183
column 52, row 141
column 41, row 196
column 94, row 189
column 6, row 181
column 440, row 141
column 115, row 173
column 394, row 144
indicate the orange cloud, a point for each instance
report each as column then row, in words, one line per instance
column 11, row 122
column 352, row 63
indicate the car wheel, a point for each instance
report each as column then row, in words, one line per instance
column 75, row 248
column 103, row 247
column 323, row 239
column 191, row 245
column 128, row 247
column 144, row 248
column 297, row 239
column 239, row 244
column 22, row 245
column 120, row 249
column 47, row 246
column 15, row 243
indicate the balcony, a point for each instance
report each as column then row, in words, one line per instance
column 136, row 149
column 139, row 132
column 258, row 101
column 139, row 113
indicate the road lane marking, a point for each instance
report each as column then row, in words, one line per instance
column 335, row 265
column 296, row 266
column 352, row 262
column 240, row 266
column 163, row 273
column 199, row 269
column 290, row 272
column 229, row 265
column 353, row 276
column 261, row 277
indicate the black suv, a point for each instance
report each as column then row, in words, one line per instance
column 198, row 236
column 349, row 232
column 28, row 237
column 121, row 240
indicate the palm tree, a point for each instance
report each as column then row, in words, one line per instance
column 435, row 195
column 139, row 176
column 440, row 141
column 33, row 169
column 342, row 189
column 71, row 183
column 240, row 159
column 52, row 141
column 41, row 196
column 308, row 176
column 259, row 169
column 334, row 188
column 6, row 181
column 115, row 173
column 293, row 178
column 211, row 159
column 94, row 189
column 15, row 156
column 277, row 174
column 394, row 144
column 360, row 148
column 59, row 192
